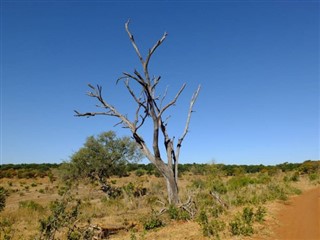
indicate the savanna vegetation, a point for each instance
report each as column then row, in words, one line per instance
column 104, row 192
column 74, row 200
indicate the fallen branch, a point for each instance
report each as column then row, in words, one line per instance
column 218, row 199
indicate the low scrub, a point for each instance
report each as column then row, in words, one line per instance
column 242, row 223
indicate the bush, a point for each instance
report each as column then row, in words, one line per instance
column 3, row 197
column 242, row 223
column 152, row 222
column 239, row 182
column 295, row 177
column 239, row 227
column 260, row 214
column 140, row 172
column 178, row 213
column 313, row 176
column 198, row 183
column 210, row 228
column 219, row 187
column 64, row 214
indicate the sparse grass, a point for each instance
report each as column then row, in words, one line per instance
column 30, row 203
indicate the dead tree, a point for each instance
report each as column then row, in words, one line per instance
column 149, row 106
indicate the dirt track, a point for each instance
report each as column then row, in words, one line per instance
column 300, row 219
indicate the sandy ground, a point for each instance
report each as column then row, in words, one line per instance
column 300, row 219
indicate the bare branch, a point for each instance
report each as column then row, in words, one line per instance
column 126, row 83
column 164, row 96
column 173, row 101
column 155, row 82
column 139, row 75
column 91, row 114
column 141, row 82
column 153, row 49
column 193, row 100
column 133, row 42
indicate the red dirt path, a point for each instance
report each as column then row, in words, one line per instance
column 300, row 219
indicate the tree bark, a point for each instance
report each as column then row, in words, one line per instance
column 173, row 191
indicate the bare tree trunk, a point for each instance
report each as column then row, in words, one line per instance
column 172, row 189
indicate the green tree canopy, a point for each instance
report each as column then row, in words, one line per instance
column 101, row 157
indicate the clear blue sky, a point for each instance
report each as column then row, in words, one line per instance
column 257, row 62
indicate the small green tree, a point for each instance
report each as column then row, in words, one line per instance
column 101, row 157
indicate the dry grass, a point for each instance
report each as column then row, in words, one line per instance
column 120, row 212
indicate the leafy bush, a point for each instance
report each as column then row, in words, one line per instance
column 219, row 187
column 239, row 227
column 277, row 192
column 152, row 222
column 242, row 224
column 210, row 228
column 295, row 177
column 314, row 176
column 198, row 183
column 176, row 213
column 3, row 197
column 140, row 172
column 260, row 214
column 64, row 214
column 239, row 182
column 248, row 215
column 101, row 157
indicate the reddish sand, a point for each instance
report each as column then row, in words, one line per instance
column 299, row 220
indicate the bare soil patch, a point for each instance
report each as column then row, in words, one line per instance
column 300, row 218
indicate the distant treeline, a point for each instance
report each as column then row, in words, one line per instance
column 308, row 166
column 31, row 170
column 42, row 170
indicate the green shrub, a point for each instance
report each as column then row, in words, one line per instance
column 32, row 205
column 295, row 177
column 140, row 172
column 242, row 224
column 41, row 191
column 275, row 191
column 263, row 178
column 260, row 214
column 211, row 228
column 239, row 227
column 113, row 181
column 64, row 214
column 219, row 187
column 178, row 213
column 239, row 182
column 314, row 176
column 3, row 197
column 217, row 210
column 152, row 222
column 198, row 183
